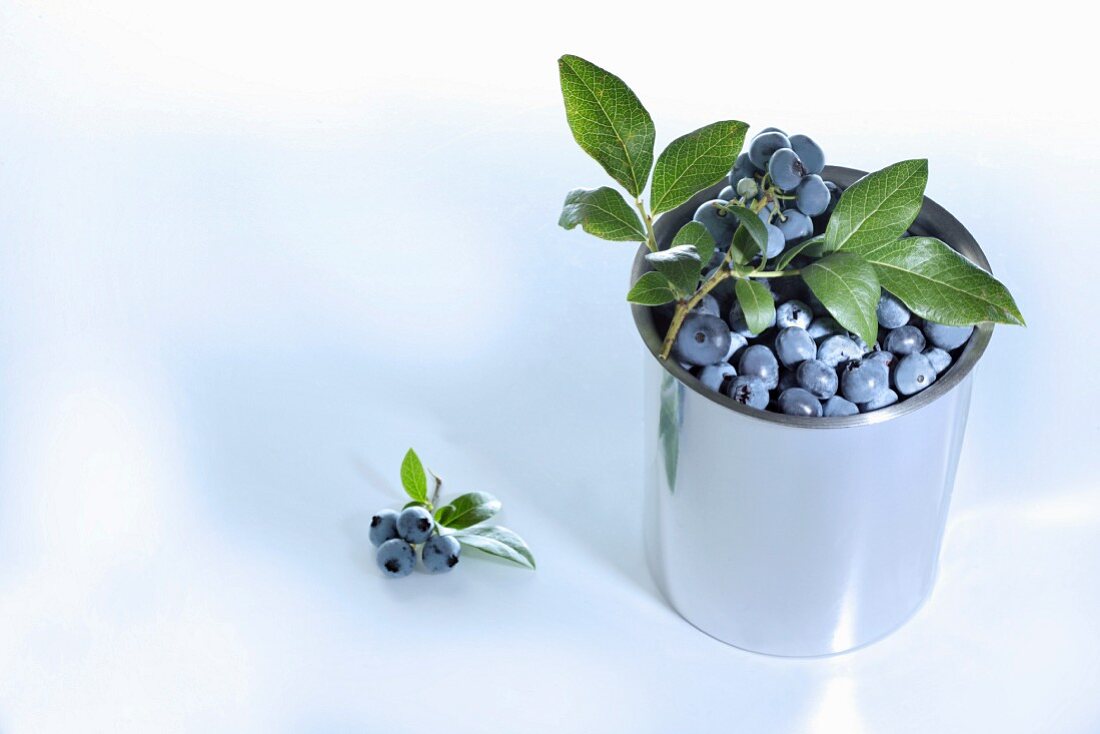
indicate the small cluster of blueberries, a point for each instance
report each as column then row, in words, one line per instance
column 774, row 163
column 395, row 535
column 806, row 363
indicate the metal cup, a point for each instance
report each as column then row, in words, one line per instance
column 790, row 535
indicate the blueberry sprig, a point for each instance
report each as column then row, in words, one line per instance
column 838, row 257
column 440, row 532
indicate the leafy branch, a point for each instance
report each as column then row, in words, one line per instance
column 862, row 250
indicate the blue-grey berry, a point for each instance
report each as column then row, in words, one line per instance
column 715, row 375
column 785, row 169
column 809, row 152
column 796, row 401
column 837, row 406
column 939, row 358
column 742, row 168
column 913, row 373
column 879, row 355
column 818, row 378
column 415, row 524
column 759, row 362
column 718, row 222
column 863, row 381
column 737, row 343
column 904, row 340
column 440, row 553
column 396, row 558
column 709, row 304
column 795, row 225
column 764, row 145
column 838, row 348
column 728, row 194
column 824, row 326
column 703, row 339
column 892, row 313
column 793, row 345
column 947, row 337
column 748, row 188
column 812, row 196
column 749, row 391
column 383, row 527
column 888, row 397
column 776, row 240
column 794, row 313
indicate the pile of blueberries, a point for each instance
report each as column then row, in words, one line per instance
column 395, row 535
column 804, row 363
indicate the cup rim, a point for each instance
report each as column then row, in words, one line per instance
column 933, row 220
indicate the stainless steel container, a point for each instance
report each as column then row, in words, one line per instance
column 799, row 536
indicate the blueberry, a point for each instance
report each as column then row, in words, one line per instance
column 892, row 313
column 796, row 401
column 838, row 348
column 714, row 375
column 812, row 196
column 759, row 362
column 383, row 527
column 913, row 373
column 737, row 343
column 737, row 321
column 940, row 359
column 727, row 194
column 863, row 381
column 947, row 337
column 414, row 524
column 818, row 378
column 787, row 378
column 749, row 391
column 718, row 222
column 785, row 169
column 904, row 340
column 396, row 558
column 742, row 168
column 824, row 326
column 709, row 304
column 813, row 158
column 764, row 145
column 886, row 358
column 440, row 554
column 703, row 339
column 766, row 213
column 747, row 188
column 776, row 240
column 837, row 406
column 860, row 343
column 795, row 225
column 888, row 397
column 793, row 345
column 793, row 313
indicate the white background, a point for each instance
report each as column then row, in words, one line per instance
column 249, row 254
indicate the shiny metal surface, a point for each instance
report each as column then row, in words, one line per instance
column 772, row 535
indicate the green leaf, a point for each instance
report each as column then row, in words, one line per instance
column 680, row 265
column 608, row 121
column 413, row 477
column 693, row 162
column 467, row 509
column 941, row 285
column 849, row 289
column 811, row 247
column 602, row 212
column 652, row 289
column 751, row 238
column 877, row 208
column 498, row 541
column 756, row 303
column 694, row 233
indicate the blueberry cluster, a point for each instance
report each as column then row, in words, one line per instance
column 806, row 363
column 396, row 534
column 780, row 178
